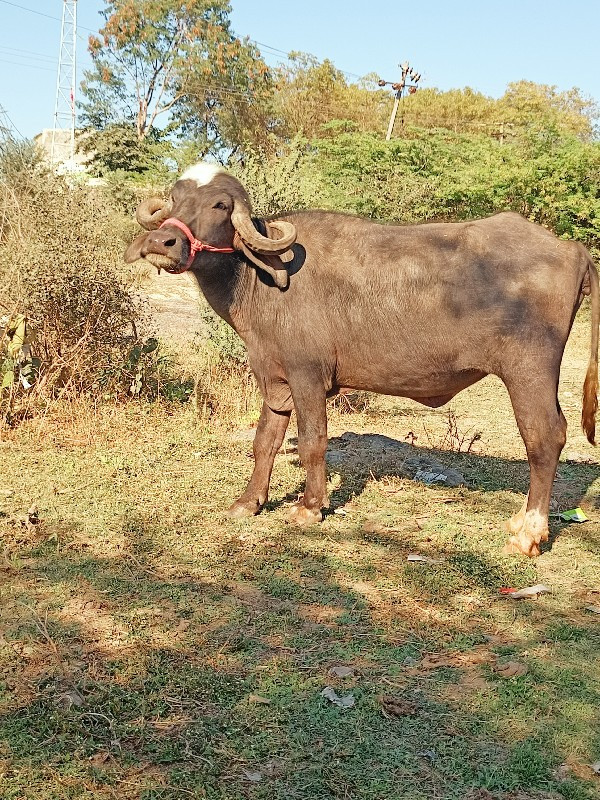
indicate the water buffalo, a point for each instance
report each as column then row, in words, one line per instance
column 327, row 301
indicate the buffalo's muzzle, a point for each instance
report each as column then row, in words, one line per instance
column 163, row 242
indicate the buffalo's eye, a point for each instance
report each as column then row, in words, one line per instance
column 220, row 205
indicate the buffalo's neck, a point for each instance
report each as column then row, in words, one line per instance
column 224, row 281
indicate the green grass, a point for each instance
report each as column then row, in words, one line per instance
column 138, row 624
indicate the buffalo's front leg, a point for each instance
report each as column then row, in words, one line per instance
column 543, row 428
column 309, row 402
column 270, row 433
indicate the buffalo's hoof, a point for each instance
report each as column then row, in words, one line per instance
column 523, row 545
column 303, row 516
column 239, row 510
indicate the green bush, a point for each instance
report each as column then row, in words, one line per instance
column 549, row 176
column 226, row 346
column 281, row 182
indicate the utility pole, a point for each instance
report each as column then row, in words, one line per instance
column 64, row 106
column 407, row 73
column 6, row 129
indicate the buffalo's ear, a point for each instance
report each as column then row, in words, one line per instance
column 134, row 251
column 271, row 264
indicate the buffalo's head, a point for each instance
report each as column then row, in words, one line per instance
column 216, row 209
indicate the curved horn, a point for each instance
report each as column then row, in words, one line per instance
column 240, row 217
column 150, row 213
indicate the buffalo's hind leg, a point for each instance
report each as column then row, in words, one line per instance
column 270, row 433
column 544, row 430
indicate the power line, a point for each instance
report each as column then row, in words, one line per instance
column 286, row 56
column 7, row 125
column 31, row 66
column 27, row 54
column 6, row 114
column 269, row 47
column 41, row 14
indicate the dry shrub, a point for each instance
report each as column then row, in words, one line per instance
column 350, row 402
column 227, row 391
column 61, row 269
column 452, row 437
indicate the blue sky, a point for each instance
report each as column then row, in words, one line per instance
column 453, row 44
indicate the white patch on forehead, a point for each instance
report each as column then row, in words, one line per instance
column 202, row 173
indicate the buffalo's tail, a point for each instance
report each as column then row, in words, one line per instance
column 590, row 386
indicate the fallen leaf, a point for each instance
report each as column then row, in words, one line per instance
column 254, row 777
column 28, row 520
column 69, row 699
column 426, row 559
column 347, row 701
column 398, row 707
column 530, row 592
column 341, row 672
column 510, row 669
column 258, row 699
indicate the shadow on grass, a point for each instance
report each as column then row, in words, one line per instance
column 151, row 685
column 363, row 457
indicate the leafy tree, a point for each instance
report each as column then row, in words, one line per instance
column 117, row 147
column 228, row 100
column 166, row 63
column 551, row 177
column 523, row 105
column 312, row 93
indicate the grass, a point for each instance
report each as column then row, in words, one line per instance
column 152, row 649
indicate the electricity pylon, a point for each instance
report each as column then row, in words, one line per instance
column 64, row 107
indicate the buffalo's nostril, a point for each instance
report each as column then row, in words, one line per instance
column 170, row 242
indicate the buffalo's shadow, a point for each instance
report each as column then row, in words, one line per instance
column 360, row 457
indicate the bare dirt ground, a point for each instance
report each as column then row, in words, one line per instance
column 173, row 301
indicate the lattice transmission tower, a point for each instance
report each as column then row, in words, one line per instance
column 63, row 131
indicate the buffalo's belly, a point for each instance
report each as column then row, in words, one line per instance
column 432, row 390
column 420, row 363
